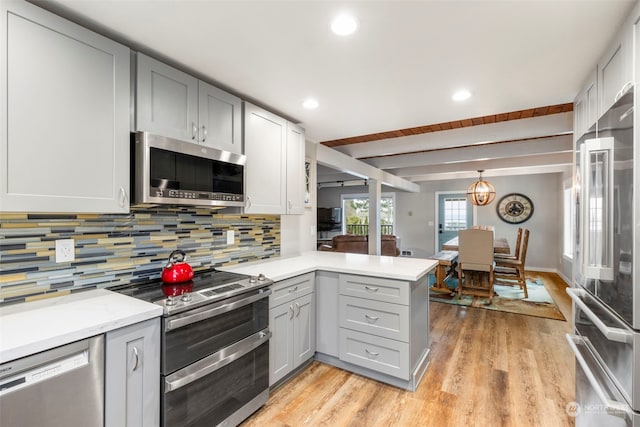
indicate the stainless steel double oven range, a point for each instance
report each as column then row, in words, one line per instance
column 606, row 292
column 215, row 347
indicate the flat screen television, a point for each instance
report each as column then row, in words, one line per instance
column 329, row 219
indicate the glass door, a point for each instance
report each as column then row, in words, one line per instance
column 455, row 213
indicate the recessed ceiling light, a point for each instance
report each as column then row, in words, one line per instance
column 344, row 24
column 310, row 104
column 461, row 95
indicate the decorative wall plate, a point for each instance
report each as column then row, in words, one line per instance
column 515, row 208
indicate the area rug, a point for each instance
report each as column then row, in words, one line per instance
column 509, row 299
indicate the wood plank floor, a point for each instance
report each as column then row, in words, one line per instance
column 487, row 369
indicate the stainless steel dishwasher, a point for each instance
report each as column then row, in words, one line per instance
column 63, row 386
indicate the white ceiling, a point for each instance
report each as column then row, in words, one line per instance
column 398, row 70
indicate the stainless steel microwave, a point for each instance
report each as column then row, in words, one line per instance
column 173, row 172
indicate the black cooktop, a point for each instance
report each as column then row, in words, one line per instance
column 207, row 286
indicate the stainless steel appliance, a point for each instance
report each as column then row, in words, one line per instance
column 169, row 171
column 72, row 379
column 606, row 294
column 215, row 347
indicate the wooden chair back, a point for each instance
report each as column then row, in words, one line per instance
column 475, row 249
column 525, row 244
column 516, row 253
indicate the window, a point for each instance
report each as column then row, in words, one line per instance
column 455, row 214
column 568, row 228
column 355, row 213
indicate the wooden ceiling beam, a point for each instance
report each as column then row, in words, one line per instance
column 475, row 121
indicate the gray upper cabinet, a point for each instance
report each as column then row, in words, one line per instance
column 172, row 103
column 615, row 70
column 295, row 169
column 166, row 100
column 65, row 115
column 220, row 116
column 265, row 148
column 275, row 151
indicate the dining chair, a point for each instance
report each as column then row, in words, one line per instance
column 511, row 271
column 516, row 252
column 475, row 254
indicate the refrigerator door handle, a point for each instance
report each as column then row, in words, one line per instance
column 612, row 407
column 612, row 334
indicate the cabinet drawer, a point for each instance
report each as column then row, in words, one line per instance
column 376, row 353
column 385, row 290
column 290, row 289
column 375, row 317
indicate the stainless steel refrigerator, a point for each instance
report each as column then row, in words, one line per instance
column 606, row 294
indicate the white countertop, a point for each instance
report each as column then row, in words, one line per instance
column 32, row 327
column 401, row 268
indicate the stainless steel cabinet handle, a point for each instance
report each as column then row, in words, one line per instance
column 123, row 197
column 248, row 202
column 372, row 353
column 204, row 133
column 373, row 318
column 612, row 334
column 290, row 204
column 298, row 307
column 294, row 289
column 371, row 288
column 612, row 407
column 194, row 130
column 290, row 312
column 137, row 359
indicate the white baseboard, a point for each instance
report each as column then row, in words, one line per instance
column 551, row 270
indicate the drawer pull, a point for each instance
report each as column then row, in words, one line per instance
column 372, row 353
column 373, row 318
column 371, row 288
column 295, row 289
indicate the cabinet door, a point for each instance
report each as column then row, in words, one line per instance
column 615, row 70
column 281, row 342
column 304, row 329
column 219, row 118
column 295, row 169
column 166, row 100
column 65, row 111
column 264, row 146
column 132, row 375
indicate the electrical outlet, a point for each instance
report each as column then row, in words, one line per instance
column 230, row 237
column 65, row 250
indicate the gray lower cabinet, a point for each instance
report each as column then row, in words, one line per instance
column 132, row 375
column 374, row 326
column 292, row 320
column 64, row 115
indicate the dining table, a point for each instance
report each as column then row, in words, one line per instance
column 500, row 245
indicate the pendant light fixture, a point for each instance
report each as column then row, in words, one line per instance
column 481, row 192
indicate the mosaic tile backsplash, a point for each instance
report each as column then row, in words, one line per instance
column 113, row 249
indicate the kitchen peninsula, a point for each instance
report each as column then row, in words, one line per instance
column 366, row 314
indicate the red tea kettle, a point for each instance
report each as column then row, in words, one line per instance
column 177, row 270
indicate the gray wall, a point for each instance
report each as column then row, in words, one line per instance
column 415, row 215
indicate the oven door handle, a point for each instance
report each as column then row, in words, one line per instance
column 215, row 361
column 180, row 321
column 612, row 334
column 612, row 407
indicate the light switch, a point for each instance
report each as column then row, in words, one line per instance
column 230, row 237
